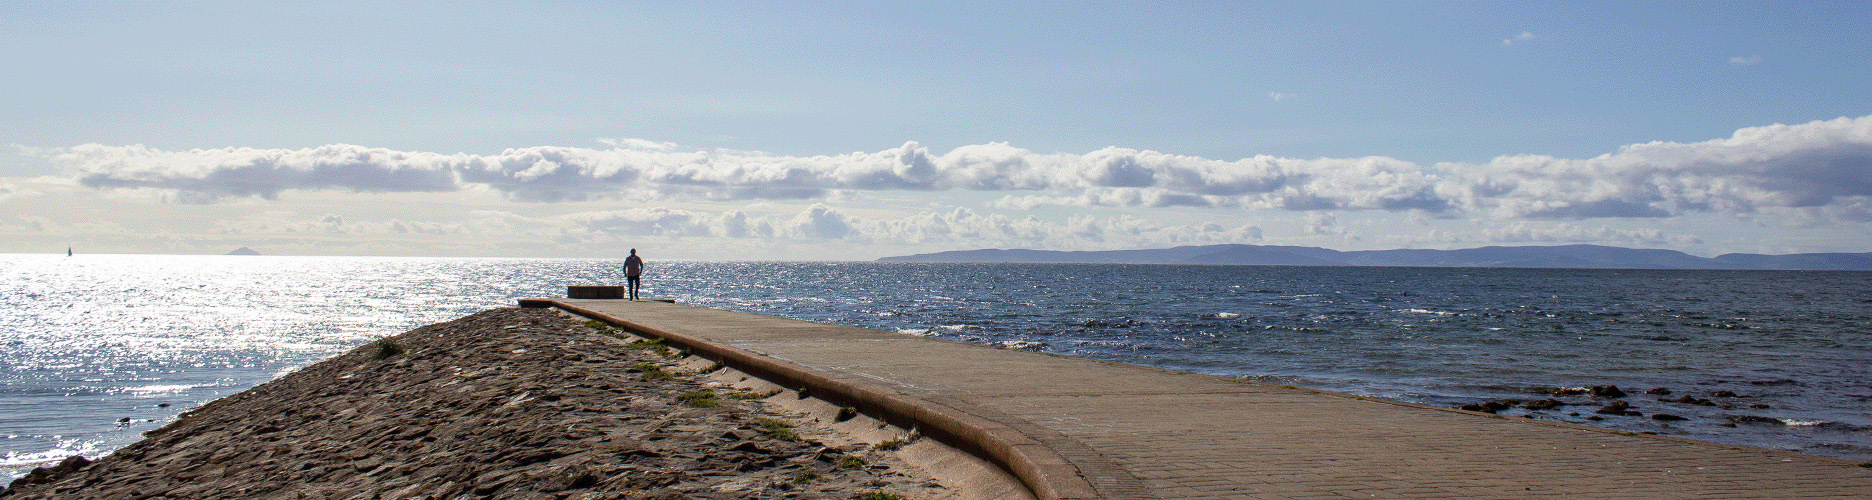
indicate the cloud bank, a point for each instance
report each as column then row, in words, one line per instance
column 1819, row 168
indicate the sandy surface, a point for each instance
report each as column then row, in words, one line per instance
column 508, row 403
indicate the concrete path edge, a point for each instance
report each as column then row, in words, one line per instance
column 1045, row 472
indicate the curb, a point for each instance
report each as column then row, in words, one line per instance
column 1044, row 471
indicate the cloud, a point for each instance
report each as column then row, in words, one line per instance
column 1745, row 61
column 953, row 227
column 633, row 143
column 1771, row 168
column 1280, row 96
column 209, row 175
column 1822, row 163
column 1524, row 36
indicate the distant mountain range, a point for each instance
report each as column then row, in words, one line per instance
column 1566, row 256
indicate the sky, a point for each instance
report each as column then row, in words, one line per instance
column 857, row 130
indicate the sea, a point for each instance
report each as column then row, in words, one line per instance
column 101, row 348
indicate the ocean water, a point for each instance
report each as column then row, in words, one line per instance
column 100, row 348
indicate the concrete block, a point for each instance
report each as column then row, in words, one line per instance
column 594, row 292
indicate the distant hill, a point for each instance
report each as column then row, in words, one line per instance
column 244, row 251
column 1566, row 256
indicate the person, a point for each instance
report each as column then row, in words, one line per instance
column 633, row 272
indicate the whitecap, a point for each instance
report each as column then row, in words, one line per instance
column 1427, row 311
column 153, row 389
column 64, row 449
column 1024, row 345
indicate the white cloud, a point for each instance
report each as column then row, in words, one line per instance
column 1280, row 96
column 956, row 227
column 1524, row 36
column 1746, row 60
column 1776, row 167
column 1816, row 164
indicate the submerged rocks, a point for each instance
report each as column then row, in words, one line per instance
column 1607, row 391
column 1489, row 407
column 1618, row 408
column 1756, row 420
column 1544, row 404
column 1690, row 400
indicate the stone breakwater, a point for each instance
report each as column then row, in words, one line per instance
column 507, row 403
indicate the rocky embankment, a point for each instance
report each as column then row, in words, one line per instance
column 508, row 403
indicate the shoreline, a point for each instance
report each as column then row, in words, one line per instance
column 510, row 403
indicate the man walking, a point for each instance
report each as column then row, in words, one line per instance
column 633, row 272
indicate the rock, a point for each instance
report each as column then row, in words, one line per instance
column 43, row 475
column 1666, row 417
column 1489, row 406
column 1616, row 408
column 1754, row 419
column 1723, row 394
column 1607, row 391
column 1758, row 406
column 1692, row 400
column 1543, row 404
column 1659, row 391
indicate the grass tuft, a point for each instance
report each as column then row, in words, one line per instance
column 879, row 495
column 653, row 372
column 845, row 413
column 851, row 462
column 700, row 399
column 387, row 348
column 890, row 445
column 779, row 429
column 806, row 477
column 658, row 346
column 751, row 394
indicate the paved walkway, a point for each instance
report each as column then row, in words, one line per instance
column 1136, row 432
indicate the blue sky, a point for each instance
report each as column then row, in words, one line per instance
column 728, row 130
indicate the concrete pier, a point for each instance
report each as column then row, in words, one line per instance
column 1077, row 428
